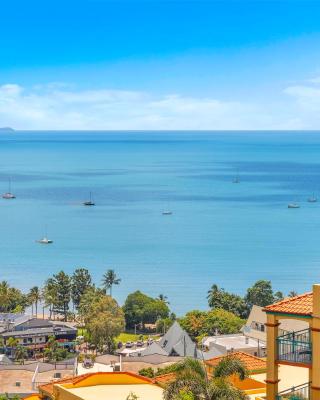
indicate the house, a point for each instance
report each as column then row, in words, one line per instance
column 175, row 343
column 34, row 333
column 9, row 320
column 236, row 342
column 255, row 326
column 298, row 349
column 100, row 385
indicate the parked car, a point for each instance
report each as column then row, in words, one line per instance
column 129, row 345
column 140, row 343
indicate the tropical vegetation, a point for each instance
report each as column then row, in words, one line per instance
column 192, row 381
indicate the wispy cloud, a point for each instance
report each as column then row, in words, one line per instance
column 61, row 106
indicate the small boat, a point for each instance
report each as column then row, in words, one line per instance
column 312, row 199
column 9, row 195
column 45, row 240
column 89, row 202
column 293, row 205
column 166, row 212
column 236, row 179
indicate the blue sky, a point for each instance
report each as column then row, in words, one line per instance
column 184, row 64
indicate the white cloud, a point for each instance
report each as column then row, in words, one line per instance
column 62, row 106
column 307, row 104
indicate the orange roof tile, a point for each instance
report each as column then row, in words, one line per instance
column 48, row 387
column 252, row 363
column 298, row 305
column 165, row 378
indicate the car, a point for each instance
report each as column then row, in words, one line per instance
column 140, row 343
column 129, row 345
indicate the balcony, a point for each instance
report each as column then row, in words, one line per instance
column 295, row 347
column 301, row 392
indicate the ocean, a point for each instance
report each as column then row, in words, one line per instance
column 219, row 232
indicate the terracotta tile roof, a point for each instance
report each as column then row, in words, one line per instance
column 299, row 305
column 48, row 387
column 165, row 378
column 252, row 363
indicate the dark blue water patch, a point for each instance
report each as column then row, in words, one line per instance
column 263, row 198
column 104, row 196
column 282, row 167
column 14, row 177
column 96, row 173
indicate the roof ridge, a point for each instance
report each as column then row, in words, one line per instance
column 288, row 300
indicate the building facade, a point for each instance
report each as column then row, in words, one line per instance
column 297, row 348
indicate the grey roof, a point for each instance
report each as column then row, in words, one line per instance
column 154, row 348
column 13, row 318
column 4, row 360
column 33, row 323
column 39, row 332
column 177, row 341
column 213, row 352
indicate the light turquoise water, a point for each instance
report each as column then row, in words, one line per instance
column 220, row 232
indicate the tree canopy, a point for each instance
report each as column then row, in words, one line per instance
column 260, row 294
column 104, row 321
column 81, row 281
column 206, row 323
column 12, row 299
column 141, row 309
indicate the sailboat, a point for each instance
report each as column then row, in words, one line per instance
column 45, row 239
column 9, row 195
column 312, row 199
column 293, row 205
column 89, row 202
column 236, row 179
column 166, row 212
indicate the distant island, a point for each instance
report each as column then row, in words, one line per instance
column 7, row 129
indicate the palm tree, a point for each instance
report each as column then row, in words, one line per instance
column 109, row 279
column 4, row 296
column 192, row 378
column 163, row 298
column 20, row 354
column 35, row 297
column 49, row 294
column 12, row 343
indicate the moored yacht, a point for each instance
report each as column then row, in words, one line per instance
column 293, row 205
column 312, row 199
column 8, row 195
column 89, row 202
column 166, row 212
column 45, row 240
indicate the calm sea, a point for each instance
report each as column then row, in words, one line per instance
column 219, row 232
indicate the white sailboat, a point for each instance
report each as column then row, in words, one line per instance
column 293, row 205
column 312, row 199
column 45, row 239
column 8, row 195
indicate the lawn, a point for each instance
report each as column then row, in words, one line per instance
column 131, row 337
column 123, row 337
